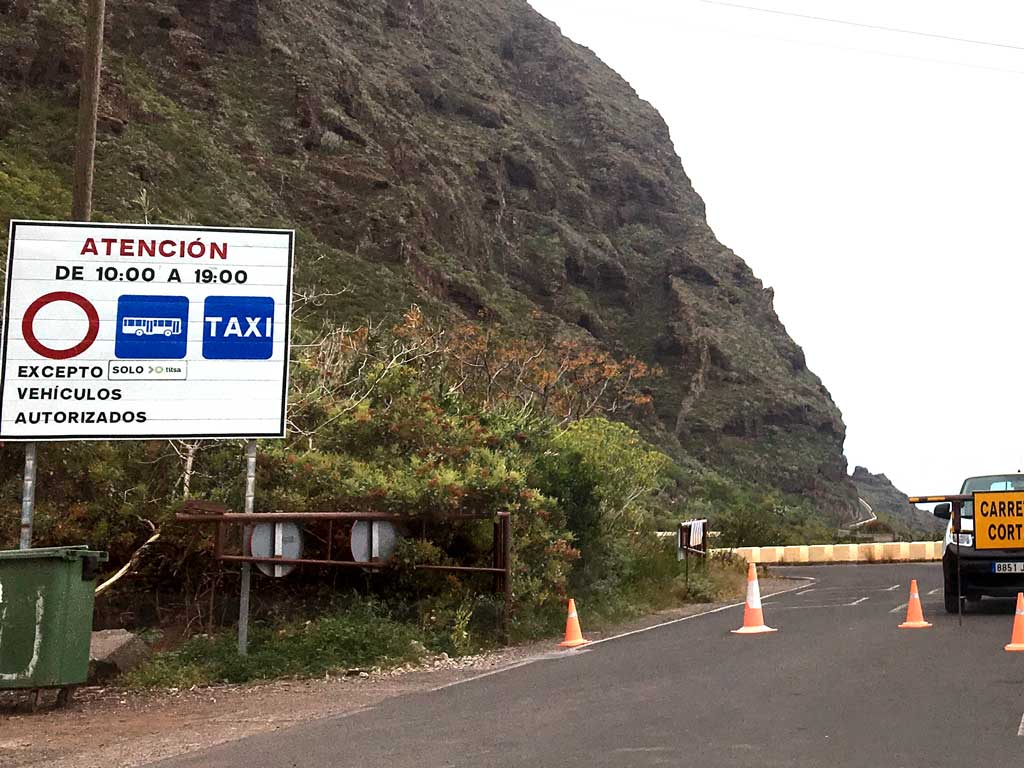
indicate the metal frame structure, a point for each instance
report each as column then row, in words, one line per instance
column 203, row 512
column 956, row 502
column 684, row 546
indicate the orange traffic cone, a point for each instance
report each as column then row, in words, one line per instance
column 915, row 618
column 573, row 635
column 1017, row 640
column 753, row 617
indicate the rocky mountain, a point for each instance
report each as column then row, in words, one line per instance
column 890, row 504
column 459, row 154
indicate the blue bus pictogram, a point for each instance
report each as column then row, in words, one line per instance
column 151, row 327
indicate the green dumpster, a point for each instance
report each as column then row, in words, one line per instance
column 46, row 602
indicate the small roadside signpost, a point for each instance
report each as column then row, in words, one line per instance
column 139, row 332
column 691, row 539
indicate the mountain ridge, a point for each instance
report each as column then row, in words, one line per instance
column 463, row 155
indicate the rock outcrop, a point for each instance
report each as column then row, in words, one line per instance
column 113, row 652
column 890, row 504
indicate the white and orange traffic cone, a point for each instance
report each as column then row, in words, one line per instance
column 1017, row 639
column 573, row 635
column 753, row 616
column 915, row 617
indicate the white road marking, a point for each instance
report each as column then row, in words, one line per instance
column 695, row 615
column 856, row 601
column 822, row 605
column 498, row 671
column 808, row 607
column 583, row 649
column 858, row 590
column 898, row 608
column 934, row 591
column 1020, row 728
column 893, row 588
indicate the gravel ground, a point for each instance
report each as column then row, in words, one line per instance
column 116, row 728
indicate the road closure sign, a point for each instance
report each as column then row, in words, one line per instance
column 119, row 331
column 999, row 520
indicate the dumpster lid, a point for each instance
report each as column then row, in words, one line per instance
column 63, row 553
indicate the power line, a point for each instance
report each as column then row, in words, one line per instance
column 890, row 54
column 878, row 27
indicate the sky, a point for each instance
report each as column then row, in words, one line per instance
column 875, row 180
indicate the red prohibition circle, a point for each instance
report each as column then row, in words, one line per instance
column 60, row 354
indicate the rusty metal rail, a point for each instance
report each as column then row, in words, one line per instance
column 276, row 517
column 208, row 513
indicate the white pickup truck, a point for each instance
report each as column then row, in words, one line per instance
column 995, row 572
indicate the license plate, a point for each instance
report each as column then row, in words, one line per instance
column 1007, row 567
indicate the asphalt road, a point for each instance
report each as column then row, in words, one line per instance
column 838, row 686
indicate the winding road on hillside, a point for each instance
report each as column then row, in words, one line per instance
column 838, row 685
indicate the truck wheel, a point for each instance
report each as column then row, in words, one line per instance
column 949, row 598
column 949, row 591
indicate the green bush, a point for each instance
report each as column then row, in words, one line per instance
column 360, row 636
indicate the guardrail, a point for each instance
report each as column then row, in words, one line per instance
column 811, row 554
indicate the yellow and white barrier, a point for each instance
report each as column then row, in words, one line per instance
column 804, row 554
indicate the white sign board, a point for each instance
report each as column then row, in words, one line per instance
column 119, row 331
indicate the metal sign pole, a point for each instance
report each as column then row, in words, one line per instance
column 686, row 568
column 243, row 598
column 506, row 556
column 81, row 205
column 957, row 515
column 28, row 496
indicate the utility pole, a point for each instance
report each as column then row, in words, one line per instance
column 81, row 201
column 88, row 106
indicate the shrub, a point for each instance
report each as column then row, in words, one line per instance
column 360, row 636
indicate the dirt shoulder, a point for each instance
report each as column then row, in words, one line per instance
column 123, row 729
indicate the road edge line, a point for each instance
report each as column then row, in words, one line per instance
column 489, row 673
column 584, row 648
column 703, row 613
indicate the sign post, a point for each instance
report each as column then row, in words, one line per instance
column 691, row 538
column 958, row 508
column 243, row 594
column 28, row 496
column 81, row 203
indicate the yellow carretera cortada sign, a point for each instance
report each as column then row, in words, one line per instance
column 999, row 520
